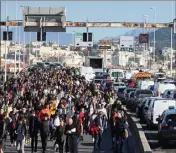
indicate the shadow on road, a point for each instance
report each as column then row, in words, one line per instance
column 87, row 144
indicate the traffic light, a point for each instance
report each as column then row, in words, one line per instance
column 85, row 37
column 5, row 35
column 90, row 37
column 10, row 35
column 38, row 36
column 44, row 36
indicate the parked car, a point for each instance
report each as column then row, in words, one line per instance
column 167, row 126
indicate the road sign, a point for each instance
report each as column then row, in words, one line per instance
column 104, row 47
column 143, row 38
column 79, row 40
column 127, row 41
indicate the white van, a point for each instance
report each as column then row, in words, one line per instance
column 146, row 84
column 156, row 108
column 159, row 88
column 116, row 73
column 87, row 72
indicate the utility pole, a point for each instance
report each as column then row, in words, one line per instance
column 16, row 35
column 6, row 49
column 87, row 34
column 145, row 31
column 41, row 30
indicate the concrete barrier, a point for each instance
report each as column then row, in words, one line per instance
column 141, row 144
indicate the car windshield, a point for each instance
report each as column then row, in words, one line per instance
column 120, row 90
column 132, row 95
column 143, row 93
column 117, row 74
column 139, row 80
column 118, row 84
column 129, row 90
column 98, row 81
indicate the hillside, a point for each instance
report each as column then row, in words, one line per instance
column 163, row 38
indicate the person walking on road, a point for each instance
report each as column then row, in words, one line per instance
column 60, row 137
column 101, row 122
column 12, row 126
column 2, row 131
column 44, row 127
column 34, row 130
column 21, row 132
column 70, row 131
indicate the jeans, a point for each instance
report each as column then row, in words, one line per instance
column 20, row 145
column 44, row 138
column 34, row 142
column 98, row 139
column 73, row 144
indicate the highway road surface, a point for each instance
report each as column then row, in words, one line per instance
column 151, row 136
column 86, row 146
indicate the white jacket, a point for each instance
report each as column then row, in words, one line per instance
column 57, row 122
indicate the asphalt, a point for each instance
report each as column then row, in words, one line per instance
column 152, row 138
column 86, row 146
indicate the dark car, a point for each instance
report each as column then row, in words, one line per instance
column 130, row 100
column 167, row 127
column 120, row 92
column 139, row 95
column 126, row 95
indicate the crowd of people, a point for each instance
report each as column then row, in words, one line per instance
column 59, row 105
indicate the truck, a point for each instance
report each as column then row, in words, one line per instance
column 97, row 63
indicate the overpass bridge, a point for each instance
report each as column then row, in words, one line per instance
column 87, row 24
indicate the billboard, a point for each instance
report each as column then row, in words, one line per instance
column 105, row 42
column 79, row 41
column 127, row 41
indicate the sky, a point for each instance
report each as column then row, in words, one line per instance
column 121, row 11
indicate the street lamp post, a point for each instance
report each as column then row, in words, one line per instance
column 171, row 58
column 154, row 36
column 15, row 41
column 7, row 29
column 145, row 31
